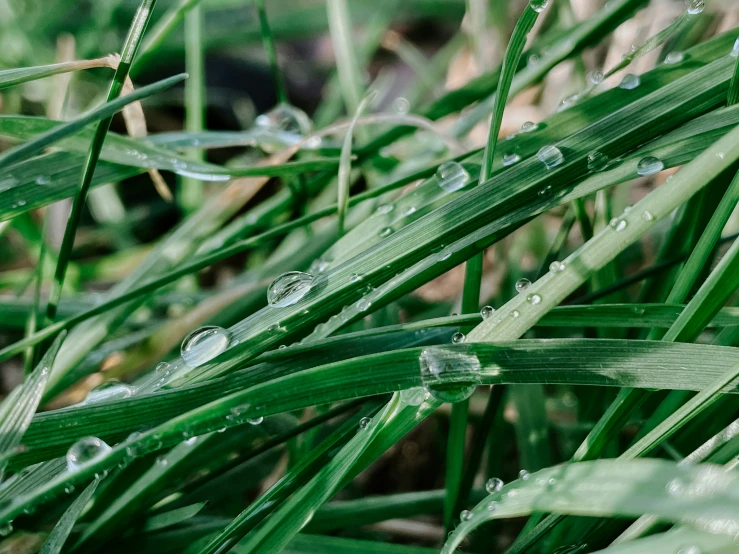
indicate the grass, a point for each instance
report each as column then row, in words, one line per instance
column 602, row 393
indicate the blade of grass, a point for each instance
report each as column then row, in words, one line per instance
column 58, row 536
column 347, row 67
column 268, row 42
column 13, row 77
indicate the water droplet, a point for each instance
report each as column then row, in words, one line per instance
column 452, row 176
column 285, row 117
column 487, row 311
column 515, row 314
column 161, row 461
column 690, row 550
column 550, row 156
column 314, row 142
column 524, row 475
column 533, row 299
column 363, row 304
column 568, row 101
column 546, row 192
column 445, row 254
column 163, row 367
column 318, row 266
column 533, row 59
column 414, row 396
column 43, row 180
column 85, row 451
column 289, row 288
column 384, row 209
column 556, row 267
column 735, row 49
column 465, row 515
column 458, row 338
column 528, row 126
column 675, row 486
column 647, row 216
column 255, row 420
column 595, row 77
column 597, row 161
column 674, row 57
column 6, row 529
column 649, row 166
column 356, row 277
column 401, row 106
column 510, row 159
column 621, row 225
column 409, row 211
column 385, row 232
column 449, row 375
column 492, row 506
column 494, row 485
column 109, row 390
column 522, row 284
column 190, row 441
column 203, row 344
column 364, row 422
column 69, row 489
column 539, row 5
column 695, row 6
column 630, row 81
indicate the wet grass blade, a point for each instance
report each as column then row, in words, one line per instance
column 58, row 536
column 13, row 77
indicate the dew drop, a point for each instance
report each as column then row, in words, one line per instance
column 595, row 77
column 364, row 422
column 255, row 421
column 533, row 59
column 522, row 284
column 385, row 232
column 690, row 550
column 458, row 338
column 449, row 375
column 674, row 57
column 162, row 367
column 85, row 451
column 109, row 390
column 630, row 81
column 162, row 461
column 528, row 126
column 647, row 216
column 695, row 6
column 6, row 529
column 43, row 180
column 735, row 50
column 539, row 5
column 69, row 489
column 401, row 106
column 546, row 192
column 524, row 475
column 356, row 277
column 465, row 515
column 494, row 485
column 414, row 396
column 550, row 156
column 289, row 288
column 314, row 142
column 621, row 225
column 556, row 267
column 452, row 176
column 487, row 311
column 203, row 344
column 285, row 117
column 492, row 506
column 649, row 166
column 409, row 211
column 510, row 159
column 384, row 209
column 533, row 299
column 515, row 314
column 597, row 161
column 318, row 266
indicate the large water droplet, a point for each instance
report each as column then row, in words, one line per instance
column 86, row 451
column 630, row 81
column 452, row 176
column 674, row 57
column 285, row 117
column 539, row 5
column 448, row 374
column 110, row 390
column 550, row 156
column 649, row 166
column 414, row 396
column 487, row 311
column 494, row 485
column 695, row 6
column 203, row 344
column 597, row 161
column 289, row 288
column 522, row 284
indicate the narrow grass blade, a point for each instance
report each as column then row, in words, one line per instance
column 13, row 77
column 340, row 27
column 58, row 536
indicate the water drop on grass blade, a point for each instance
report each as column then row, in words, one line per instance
column 289, row 288
column 449, row 375
column 630, row 81
column 452, row 176
column 85, row 451
column 522, row 284
column 487, row 311
column 414, row 396
column 494, row 485
column 550, row 156
column 204, row 344
column 649, row 166
column 110, row 390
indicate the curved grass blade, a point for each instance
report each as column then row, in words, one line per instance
column 345, row 165
column 733, row 96
column 58, row 536
column 17, row 76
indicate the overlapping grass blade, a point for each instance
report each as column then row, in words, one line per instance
column 58, row 536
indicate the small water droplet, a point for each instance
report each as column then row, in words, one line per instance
column 533, row 59
column 546, row 192
column 597, row 161
column 364, row 422
column 515, row 314
column 401, row 106
column 363, row 304
column 621, row 225
column 6, row 529
column 539, row 5
column 735, row 49
column 162, row 367
column 85, row 451
column 647, row 216
column 43, row 180
column 109, row 390
column 414, row 396
column 692, row 549
column 675, row 486
column 630, row 81
column 458, row 338
column 533, row 299
column 385, row 232
column 494, row 485
column 449, row 375
column 556, row 267
column 465, row 515
column 550, row 156
column 69, row 489
column 522, row 284
column 528, row 126
column 285, row 117
column 487, row 311
column 289, row 288
column 510, row 159
column 409, row 211
column 649, row 166
column 314, row 142
column 203, row 344
column 595, row 77
column 255, row 420
column 452, row 176
column 674, row 57
column 524, row 475
column 384, row 209
column 318, row 266
column 492, row 506
column 190, row 441
column 695, row 6
column 161, row 461
column 444, row 254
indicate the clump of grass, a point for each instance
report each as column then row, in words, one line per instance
column 288, row 359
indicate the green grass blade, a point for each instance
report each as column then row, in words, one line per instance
column 733, row 96
column 13, row 77
column 268, row 41
column 347, row 67
column 345, row 165
column 58, row 536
